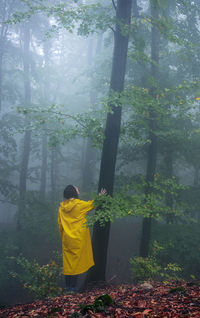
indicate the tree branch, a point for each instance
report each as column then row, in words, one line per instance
column 112, row 29
column 114, row 5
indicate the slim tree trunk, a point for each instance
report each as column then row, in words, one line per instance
column 1, row 74
column 196, row 176
column 152, row 149
column 2, row 44
column 54, row 173
column 43, row 167
column 27, row 135
column 43, row 181
column 168, row 173
column 168, row 144
column 135, row 9
column 90, row 152
column 112, row 132
column 5, row 12
column 99, row 43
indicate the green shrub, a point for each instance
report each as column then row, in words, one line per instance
column 150, row 268
column 7, row 248
column 42, row 280
column 181, row 244
column 143, row 269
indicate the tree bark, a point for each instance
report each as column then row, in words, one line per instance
column 152, row 149
column 112, row 132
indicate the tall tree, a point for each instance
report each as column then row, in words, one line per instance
column 46, row 49
column 44, row 166
column 90, row 152
column 6, row 7
column 27, row 135
column 112, row 132
column 54, row 171
column 152, row 148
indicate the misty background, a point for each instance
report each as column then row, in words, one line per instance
column 55, row 67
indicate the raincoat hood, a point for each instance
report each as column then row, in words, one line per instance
column 68, row 205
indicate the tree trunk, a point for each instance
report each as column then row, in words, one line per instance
column 3, row 38
column 90, row 156
column 2, row 44
column 27, row 136
column 196, row 176
column 152, row 149
column 43, row 167
column 168, row 161
column 110, row 145
column 1, row 73
column 54, row 173
column 47, row 46
column 135, row 9
column 88, row 150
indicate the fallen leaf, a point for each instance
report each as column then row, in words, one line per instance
column 141, row 303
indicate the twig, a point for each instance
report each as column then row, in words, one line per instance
column 61, row 114
column 113, row 277
column 112, row 29
column 114, row 5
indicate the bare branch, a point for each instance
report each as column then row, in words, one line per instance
column 114, row 5
column 112, row 29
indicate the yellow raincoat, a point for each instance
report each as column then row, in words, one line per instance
column 76, row 241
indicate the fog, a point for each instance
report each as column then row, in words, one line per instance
column 57, row 95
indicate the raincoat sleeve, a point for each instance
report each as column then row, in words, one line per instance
column 60, row 224
column 86, row 206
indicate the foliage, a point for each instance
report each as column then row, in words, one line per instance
column 39, row 217
column 180, row 243
column 7, row 249
column 42, row 280
column 62, row 126
column 177, row 289
column 133, row 201
column 8, row 153
column 143, row 269
column 150, row 268
column 67, row 86
column 171, row 106
column 82, row 18
column 99, row 304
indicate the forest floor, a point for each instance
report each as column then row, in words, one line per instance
column 141, row 301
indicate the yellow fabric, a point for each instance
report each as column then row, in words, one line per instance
column 76, row 241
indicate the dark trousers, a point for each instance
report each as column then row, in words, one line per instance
column 71, row 281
